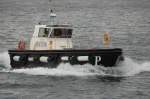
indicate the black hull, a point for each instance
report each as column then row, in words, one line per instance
column 102, row 57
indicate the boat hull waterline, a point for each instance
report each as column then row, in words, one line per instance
column 52, row 58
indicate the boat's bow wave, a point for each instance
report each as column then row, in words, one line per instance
column 127, row 68
column 4, row 60
column 61, row 70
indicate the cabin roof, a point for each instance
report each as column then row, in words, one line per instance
column 55, row 26
column 59, row 26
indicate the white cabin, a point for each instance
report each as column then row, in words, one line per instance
column 51, row 37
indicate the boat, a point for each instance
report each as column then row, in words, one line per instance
column 52, row 45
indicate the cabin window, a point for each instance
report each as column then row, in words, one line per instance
column 44, row 32
column 61, row 33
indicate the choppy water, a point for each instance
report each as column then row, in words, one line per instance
column 128, row 22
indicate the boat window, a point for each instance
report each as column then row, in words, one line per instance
column 61, row 33
column 44, row 32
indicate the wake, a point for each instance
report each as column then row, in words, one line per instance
column 127, row 68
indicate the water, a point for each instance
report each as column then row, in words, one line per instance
column 128, row 24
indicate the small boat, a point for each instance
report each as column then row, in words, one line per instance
column 52, row 44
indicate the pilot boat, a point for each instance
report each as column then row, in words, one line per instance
column 52, row 45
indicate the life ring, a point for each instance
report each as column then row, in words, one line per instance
column 21, row 45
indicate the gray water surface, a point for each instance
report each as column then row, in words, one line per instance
column 127, row 21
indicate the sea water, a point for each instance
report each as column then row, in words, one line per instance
column 79, row 81
column 128, row 23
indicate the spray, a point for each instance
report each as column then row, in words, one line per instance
column 5, row 60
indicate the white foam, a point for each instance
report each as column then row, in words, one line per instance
column 61, row 70
column 128, row 68
column 131, row 67
column 5, row 60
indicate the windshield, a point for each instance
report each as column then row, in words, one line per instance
column 44, row 32
column 61, row 33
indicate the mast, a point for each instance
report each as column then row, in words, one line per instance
column 52, row 17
